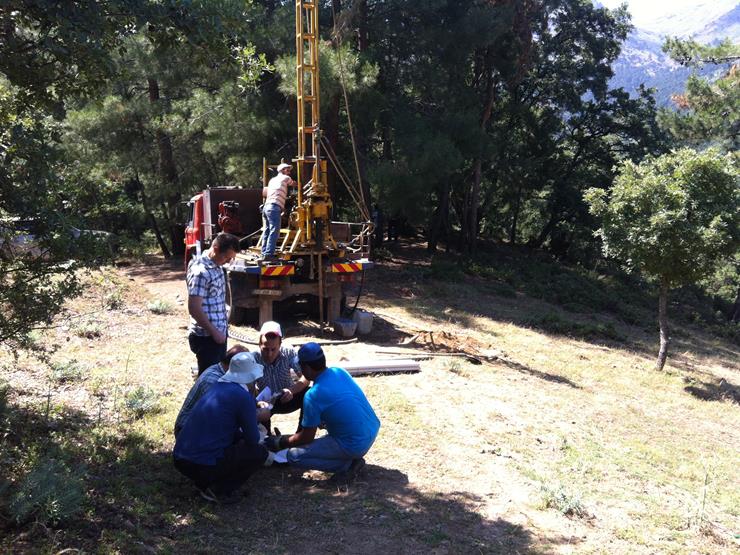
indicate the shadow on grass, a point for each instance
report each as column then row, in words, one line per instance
column 554, row 378
column 136, row 502
column 289, row 512
column 717, row 390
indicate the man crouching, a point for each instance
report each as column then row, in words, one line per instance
column 336, row 401
column 218, row 446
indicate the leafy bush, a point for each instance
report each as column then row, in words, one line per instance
column 561, row 500
column 89, row 330
column 160, row 307
column 140, row 401
column 65, row 372
column 49, row 493
column 113, row 300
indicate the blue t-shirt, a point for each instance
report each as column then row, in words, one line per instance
column 336, row 400
column 226, row 412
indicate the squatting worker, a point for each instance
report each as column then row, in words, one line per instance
column 336, row 401
column 218, row 447
column 208, row 328
column 274, row 196
column 204, row 382
column 280, row 363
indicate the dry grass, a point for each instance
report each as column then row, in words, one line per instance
column 471, row 458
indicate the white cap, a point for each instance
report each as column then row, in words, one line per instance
column 243, row 369
column 271, row 327
column 282, row 166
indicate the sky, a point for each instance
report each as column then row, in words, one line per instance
column 645, row 13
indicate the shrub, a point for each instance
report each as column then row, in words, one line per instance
column 49, row 493
column 113, row 300
column 65, row 372
column 89, row 330
column 561, row 500
column 140, row 401
column 160, row 307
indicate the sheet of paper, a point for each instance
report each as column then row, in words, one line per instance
column 281, row 456
column 265, row 395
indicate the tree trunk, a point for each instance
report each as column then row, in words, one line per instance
column 735, row 317
column 470, row 217
column 169, row 175
column 515, row 215
column 663, row 323
column 438, row 226
column 152, row 220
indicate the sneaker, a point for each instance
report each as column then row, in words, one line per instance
column 220, row 499
column 208, row 495
column 357, row 466
column 348, row 476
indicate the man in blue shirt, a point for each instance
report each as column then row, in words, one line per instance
column 210, row 376
column 336, row 401
column 218, row 446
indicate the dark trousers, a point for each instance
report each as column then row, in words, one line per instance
column 207, row 351
column 239, row 462
column 296, row 403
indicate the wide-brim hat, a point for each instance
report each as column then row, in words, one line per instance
column 243, row 369
column 282, row 166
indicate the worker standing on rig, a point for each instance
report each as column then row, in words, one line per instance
column 274, row 196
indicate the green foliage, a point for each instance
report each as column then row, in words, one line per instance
column 673, row 217
column 89, row 329
column 65, row 372
column 563, row 501
column 49, row 493
column 160, row 306
column 141, row 401
column 708, row 112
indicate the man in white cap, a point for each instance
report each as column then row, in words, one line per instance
column 218, row 447
column 278, row 360
column 274, row 196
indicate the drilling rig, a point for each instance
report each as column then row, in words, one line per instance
column 316, row 258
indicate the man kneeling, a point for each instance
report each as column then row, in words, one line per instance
column 336, row 401
column 218, row 446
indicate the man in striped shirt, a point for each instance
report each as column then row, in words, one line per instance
column 274, row 196
column 280, row 363
column 208, row 329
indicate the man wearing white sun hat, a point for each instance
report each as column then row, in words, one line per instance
column 218, row 447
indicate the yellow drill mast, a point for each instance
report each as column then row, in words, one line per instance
column 310, row 229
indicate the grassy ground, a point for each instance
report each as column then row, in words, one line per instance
column 568, row 442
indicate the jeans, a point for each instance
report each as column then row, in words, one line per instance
column 296, row 403
column 271, row 220
column 322, row 454
column 207, row 351
column 239, row 462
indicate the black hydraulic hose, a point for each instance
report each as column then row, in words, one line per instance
column 359, row 294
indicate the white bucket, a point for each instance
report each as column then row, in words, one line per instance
column 364, row 321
